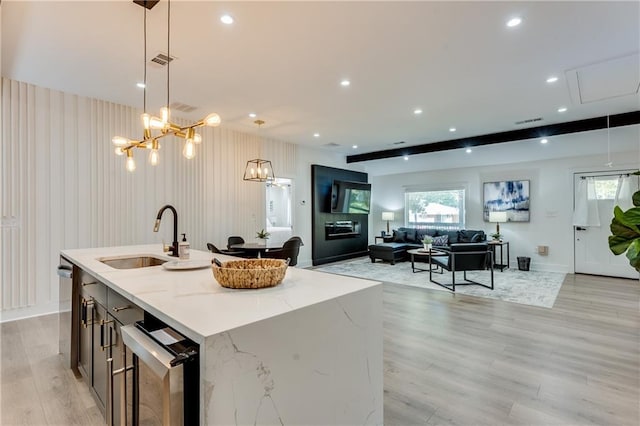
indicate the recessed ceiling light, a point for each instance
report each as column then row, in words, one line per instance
column 452, row 129
column 417, row 111
column 406, row 158
column 141, row 85
column 354, row 146
column 514, row 22
column 552, row 79
column 345, row 83
column 316, row 135
column 544, row 141
column 226, row 19
column 253, row 115
column 468, row 151
column 562, row 109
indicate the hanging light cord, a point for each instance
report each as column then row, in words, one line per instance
column 168, row 46
column 608, row 143
column 144, row 63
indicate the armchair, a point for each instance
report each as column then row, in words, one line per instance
column 463, row 257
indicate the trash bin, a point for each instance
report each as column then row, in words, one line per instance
column 524, row 263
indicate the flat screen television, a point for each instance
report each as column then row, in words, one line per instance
column 350, row 197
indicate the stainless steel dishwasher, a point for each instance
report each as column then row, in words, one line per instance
column 166, row 384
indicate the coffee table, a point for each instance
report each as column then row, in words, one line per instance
column 416, row 254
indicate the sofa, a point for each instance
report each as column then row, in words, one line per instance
column 394, row 248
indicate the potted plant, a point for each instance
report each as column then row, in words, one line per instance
column 625, row 230
column 263, row 235
column 427, row 242
column 496, row 236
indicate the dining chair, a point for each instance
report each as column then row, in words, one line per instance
column 213, row 249
column 234, row 239
column 290, row 250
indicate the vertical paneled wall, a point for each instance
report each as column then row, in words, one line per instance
column 63, row 187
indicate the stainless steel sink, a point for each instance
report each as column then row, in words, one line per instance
column 132, row 262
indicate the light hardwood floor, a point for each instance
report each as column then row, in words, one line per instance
column 448, row 360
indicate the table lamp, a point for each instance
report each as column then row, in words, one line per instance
column 497, row 218
column 387, row 216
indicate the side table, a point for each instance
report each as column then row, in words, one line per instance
column 384, row 238
column 502, row 244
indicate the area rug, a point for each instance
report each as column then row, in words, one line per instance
column 525, row 287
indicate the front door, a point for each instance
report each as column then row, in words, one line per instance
column 592, row 254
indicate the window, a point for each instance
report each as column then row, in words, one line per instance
column 443, row 209
column 606, row 188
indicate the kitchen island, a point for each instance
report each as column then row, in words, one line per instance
column 308, row 351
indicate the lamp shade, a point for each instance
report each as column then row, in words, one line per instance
column 497, row 217
column 387, row 216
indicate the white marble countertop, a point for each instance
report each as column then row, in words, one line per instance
column 195, row 304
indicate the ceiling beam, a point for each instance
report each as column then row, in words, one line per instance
column 596, row 123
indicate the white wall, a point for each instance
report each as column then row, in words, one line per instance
column 551, row 194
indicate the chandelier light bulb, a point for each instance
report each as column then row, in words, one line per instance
column 131, row 163
column 164, row 113
column 119, row 150
column 146, row 121
column 212, row 120
column 120, row 141
column 154, row 157
column 156, row 123
column 189, row 150
column 197, row 138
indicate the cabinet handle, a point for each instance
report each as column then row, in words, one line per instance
column 110, row 392
column 121, row 308
column 102, row 324
column 83, row 312
column 122, row 370
column 91, row 283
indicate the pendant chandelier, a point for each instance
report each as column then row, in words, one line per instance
column 156, row 128
column 259, row 170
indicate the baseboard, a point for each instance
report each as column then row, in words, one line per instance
column 29, row 312
column 545, row 267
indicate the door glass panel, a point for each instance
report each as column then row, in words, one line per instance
column 279, row 210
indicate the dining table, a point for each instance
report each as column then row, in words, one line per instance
column 255, row 249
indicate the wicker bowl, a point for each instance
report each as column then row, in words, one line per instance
column 250, row 273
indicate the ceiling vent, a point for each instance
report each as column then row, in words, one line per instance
column 161, row 60
column 331, row 145
column 399, row 143
column 528, row 121
column 607, row 79
column 179, row 106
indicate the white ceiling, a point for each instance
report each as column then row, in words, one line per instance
column 457, row 61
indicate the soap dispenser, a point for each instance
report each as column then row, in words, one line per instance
column 183, row 248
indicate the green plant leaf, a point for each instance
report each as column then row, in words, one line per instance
column 621, row 229
column 636, row 198
column 632, row 216
column 633, row 254
column 618, row 245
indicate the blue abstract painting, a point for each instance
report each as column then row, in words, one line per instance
column 511, row 196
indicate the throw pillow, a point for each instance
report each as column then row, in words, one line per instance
column 411, row 235
column 476, row 238
column 399, row 236
column 464, row 237
column 441, row 240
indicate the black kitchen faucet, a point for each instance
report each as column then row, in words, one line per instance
column 174, row 245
